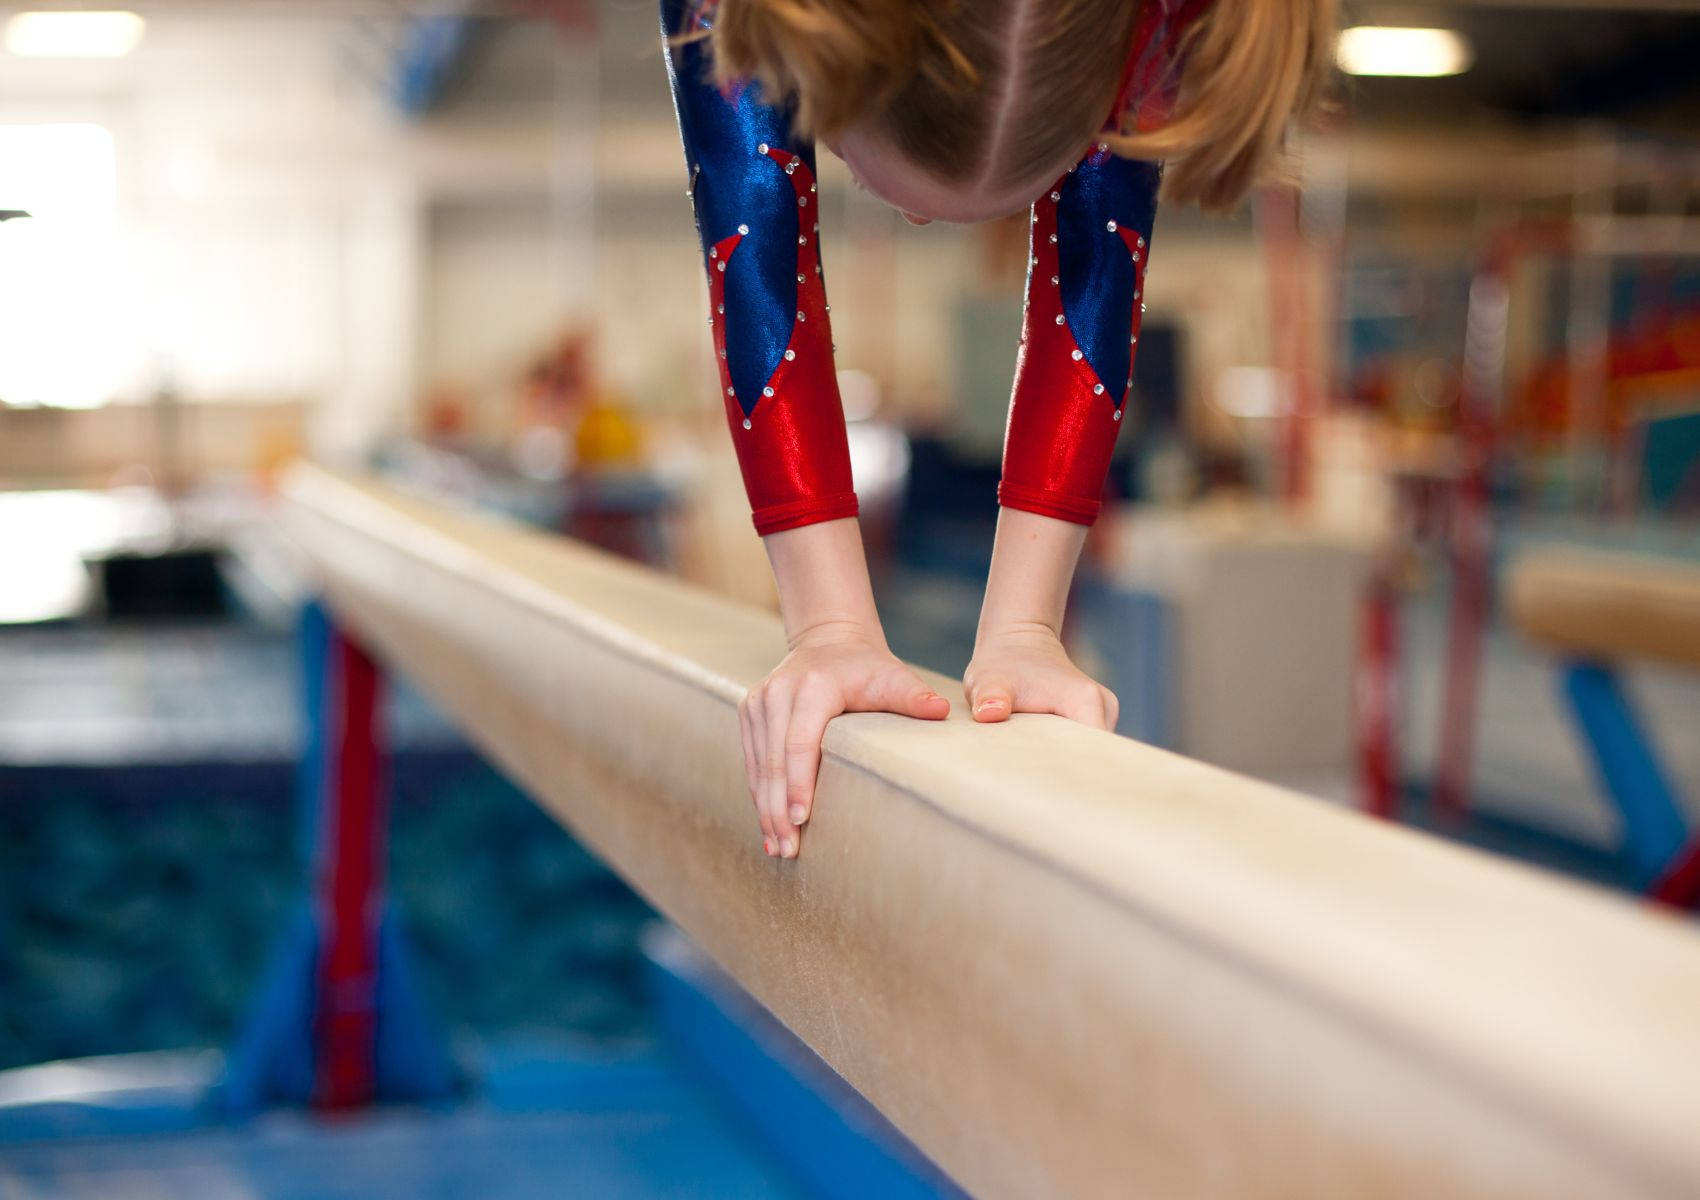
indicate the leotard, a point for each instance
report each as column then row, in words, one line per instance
column 752, row 182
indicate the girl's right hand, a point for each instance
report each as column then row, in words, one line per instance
column 831, row 669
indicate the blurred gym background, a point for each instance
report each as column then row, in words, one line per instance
column 451, row 242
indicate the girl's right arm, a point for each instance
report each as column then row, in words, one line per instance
column 752, row 185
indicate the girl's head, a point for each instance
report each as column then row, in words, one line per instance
column 967, row 109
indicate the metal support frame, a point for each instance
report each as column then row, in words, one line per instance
column 338, row 1023
column 1654, row 832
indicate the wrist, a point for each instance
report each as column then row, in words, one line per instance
column 836, row 631
column 1003, row 629
column 1027, row 588
column 825, row 595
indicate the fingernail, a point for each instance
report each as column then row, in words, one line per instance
column 799, row 814
column 988, row 705
column 767, row 844
column 788, row 847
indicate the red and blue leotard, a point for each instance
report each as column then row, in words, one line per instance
column 752, row 180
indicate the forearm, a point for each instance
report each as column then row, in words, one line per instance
column 824, row 588
column 1033, row 561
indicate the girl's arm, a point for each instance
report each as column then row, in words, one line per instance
column 752, row 183
column 838, row 662
column 1091, row 239
column 752, row 186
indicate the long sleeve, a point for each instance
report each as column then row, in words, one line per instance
column 1091, row 238
column 752, row 182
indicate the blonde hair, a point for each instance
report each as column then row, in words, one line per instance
column 990, row 93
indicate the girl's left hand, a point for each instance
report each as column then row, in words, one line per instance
column 1023, row 668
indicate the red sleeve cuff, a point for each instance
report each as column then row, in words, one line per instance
column 1048, row 504
column 776, row 518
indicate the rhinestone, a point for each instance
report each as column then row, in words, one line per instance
column 762, row 149
column 730, row 392
column 1133, row 340
column 790, row 168
column 1103, row 146
column 789, row 355
column 802, row 241
column 1056, row 195
column 1115, row 416
column 1110, row 225
column 1035, row 218
column 1141, row 307
column 829, row 308
column 719, row 266
column 799, row 279
column 835, row 347
column 813, row 188
column 800, row 315
column 1053, row 239
column 1054, row 279
column 802, row 201
column 817, row 226
column 1136, row 296
column 719, row 308
column 1097, row 389
column 1059, row 318
column 723, row 354
column 1136, row 256
column 1035, row 260
column 817, row 269
column 1141, row 240
column 744, row 229
column 1076, row 355
column 713, row 253
column 747, row 421
column 767, row 391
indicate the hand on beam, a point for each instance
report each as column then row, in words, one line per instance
column 1019, row 663
column 839, row 662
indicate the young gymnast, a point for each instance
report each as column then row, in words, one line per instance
column 955, row 110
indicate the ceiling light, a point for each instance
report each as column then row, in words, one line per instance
column 73, row 34
column 1394, row 50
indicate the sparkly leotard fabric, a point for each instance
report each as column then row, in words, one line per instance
column 752, row 181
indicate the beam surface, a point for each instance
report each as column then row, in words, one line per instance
column 1605, row 605
column 1064, row 963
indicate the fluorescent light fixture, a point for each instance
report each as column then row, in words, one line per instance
column 1396, row 50
column 74, row 34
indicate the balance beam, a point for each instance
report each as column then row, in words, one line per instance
column 1064, row 963
column 1607, row 606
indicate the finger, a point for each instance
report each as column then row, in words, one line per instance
column 902, row 691
column 748, row 737
column 749, row 744
column 758, row 748
column 809, row 719
column 779, row 703
column 991, row 699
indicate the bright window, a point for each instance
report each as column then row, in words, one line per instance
column 60, row 336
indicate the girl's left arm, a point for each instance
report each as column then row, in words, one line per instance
column 1091, row 240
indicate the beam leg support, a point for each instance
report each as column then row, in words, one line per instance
column 338, row 1024
column 1653, row 828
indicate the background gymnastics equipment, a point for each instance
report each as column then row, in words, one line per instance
column 1063, row 963
column 1602, row 611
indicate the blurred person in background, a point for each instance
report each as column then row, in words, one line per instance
column 958, row 112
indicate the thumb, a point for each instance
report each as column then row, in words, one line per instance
column 991, row 699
